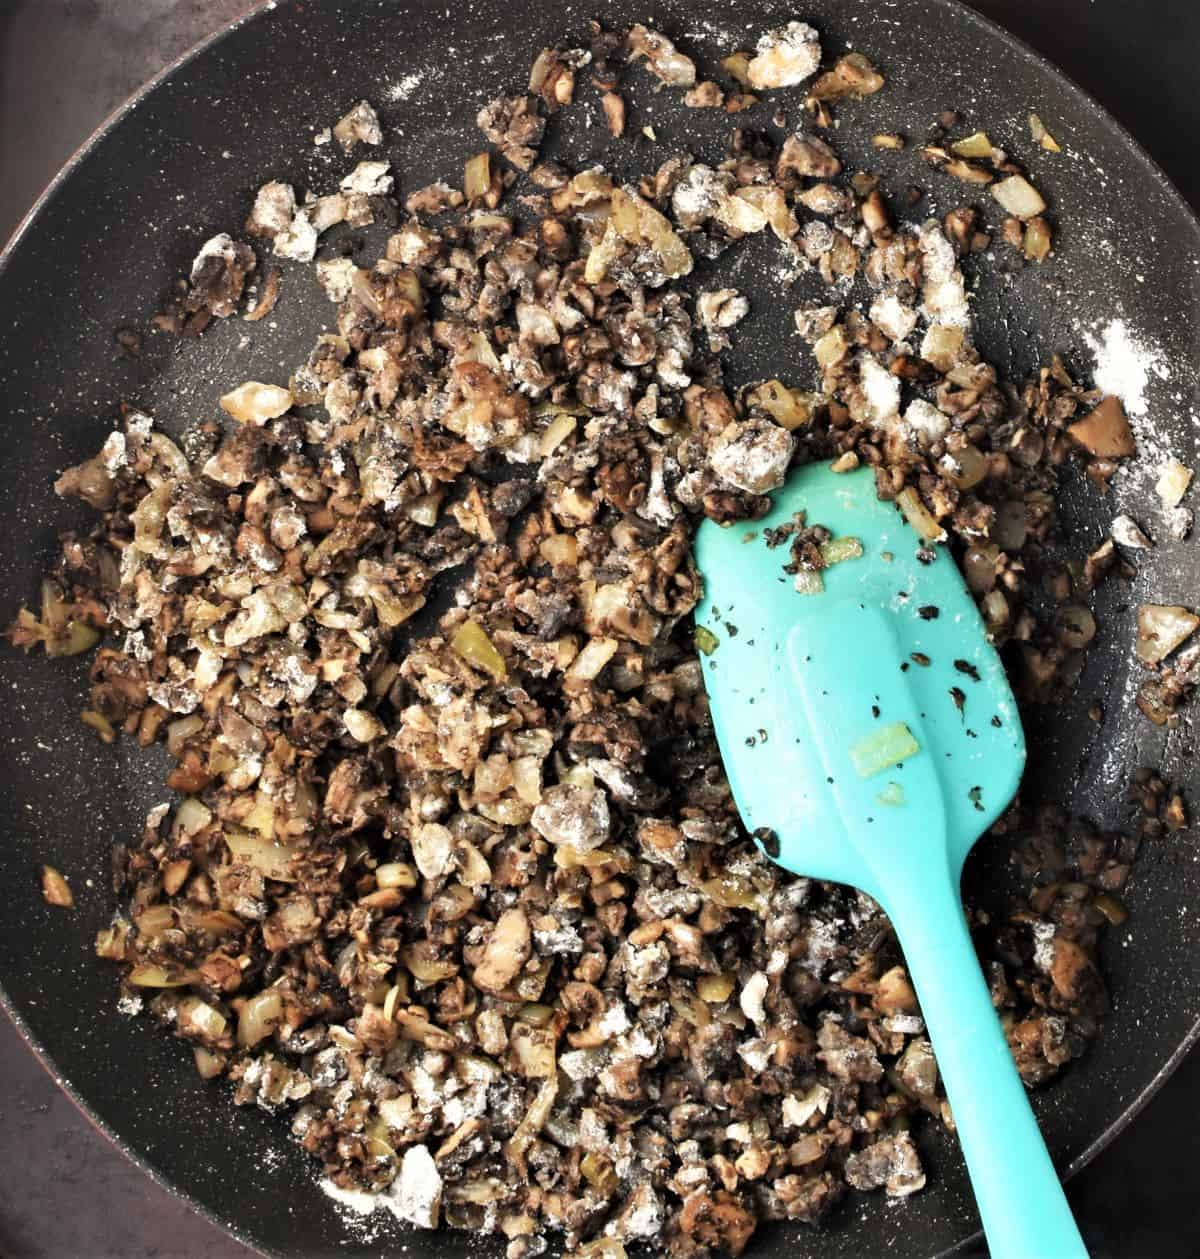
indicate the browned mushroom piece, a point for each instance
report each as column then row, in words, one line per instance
column 1105, row 430
column 515, row 126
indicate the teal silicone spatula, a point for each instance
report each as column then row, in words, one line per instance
column 870, row 727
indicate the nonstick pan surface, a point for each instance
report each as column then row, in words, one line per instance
column 181, row 163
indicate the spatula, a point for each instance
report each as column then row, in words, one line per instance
column 869, row 730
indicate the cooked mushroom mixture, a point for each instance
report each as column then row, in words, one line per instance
column 474, row 905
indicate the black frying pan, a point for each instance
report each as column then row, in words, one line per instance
column 181, row 164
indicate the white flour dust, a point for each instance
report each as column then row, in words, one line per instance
column 1124, row 365
column 355, row 1209
column 405, row 86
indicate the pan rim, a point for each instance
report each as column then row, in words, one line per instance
column 960, row 10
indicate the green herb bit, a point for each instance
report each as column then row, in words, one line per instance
column 838, row 549
column 883, row 748
column 706, row 640
column 892, row 794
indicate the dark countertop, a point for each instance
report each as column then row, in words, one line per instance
column 65, row 1190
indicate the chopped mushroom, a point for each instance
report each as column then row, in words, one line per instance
column 663, row 59
column 719, row 310
column 892, row 1162
column 808, row 156
column 455, row 876
column 753, row 455
column 416, row 1194
column 515, row 126
column 359, row 126
column 298, row 240
column 273, row 211
column 218, row 275
column 853, row 75
column 1105, row 430
column 706, row 95
column 575, row 816
column 506, row 952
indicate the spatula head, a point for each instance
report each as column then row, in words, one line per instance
column 866, row 724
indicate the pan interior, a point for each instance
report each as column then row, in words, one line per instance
column 183, row 165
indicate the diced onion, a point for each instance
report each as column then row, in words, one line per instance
column 256, row 403
column 559, row 550
column 714, row 988
column 790, row 408
column 433, row 849
column 55, row 889
column 831, row 348
column 203, row 1017
column 161, row 977
column 477, row 176
column 965, row 467
column 259, row 1017
column 424, row 510
column 942, row 346
column 1160, row 629
column 425, row 968
column 1039, row 135
column 364, row 727
column 208, row 1064
column 596, row 653
column 691, row 1009
column 192, row 816
column 111, row 941
column 603, row 1248
column 1019, row 197
column 737, row 66
column 473, row 868
column 557, row 432
column 215, row 921
column 976, row 145
column 507, row 812
column 471, row 642
column 995, row 609
column 1037, row 241
column 527, row 778
column 273, row 859
column 154, row 920
column 1076, row 626
column 919, row 516
column 1173, row 482
column 178, row 732
column 980, row 565
column 395, row 874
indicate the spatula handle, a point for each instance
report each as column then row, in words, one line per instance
column 1021, row 1201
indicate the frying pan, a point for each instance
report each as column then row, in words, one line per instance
column 181, row 163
